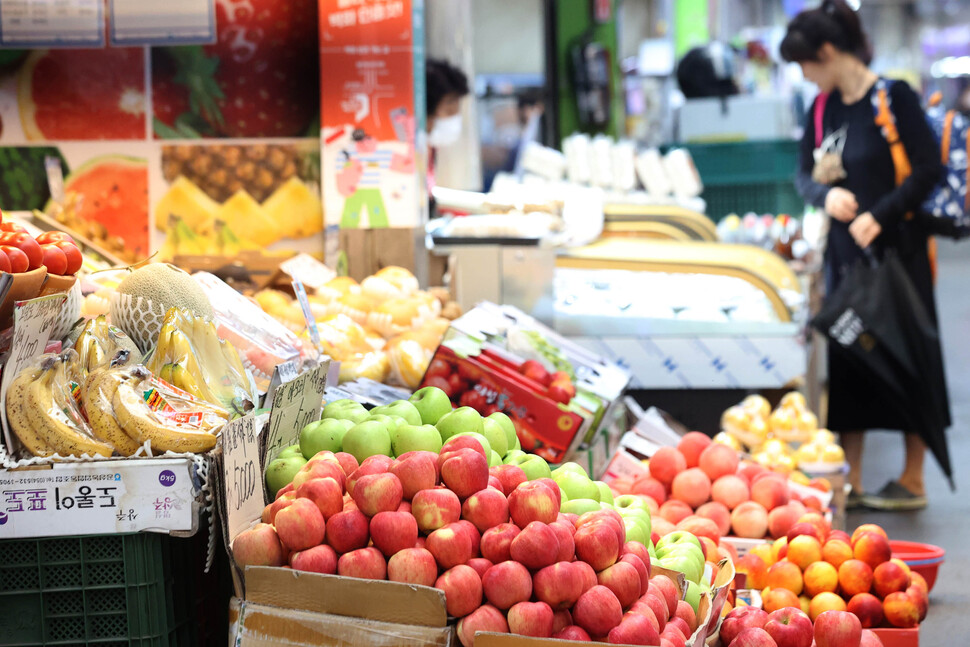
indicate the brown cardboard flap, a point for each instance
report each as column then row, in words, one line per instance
column 344, row 596
column 267, row 626
column 677, row 577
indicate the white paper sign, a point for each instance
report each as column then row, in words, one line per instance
column 141, row 22
column 283, row 373
column 32, row 324
column 242, row 474
column 98, row 497
column 308, row 270
column 295, row 405
column 52, row 23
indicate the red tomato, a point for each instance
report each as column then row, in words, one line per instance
column 4, row 262
column 25, row 243
column 54, row 259
column 73, row 254
column 53, row 237
column 11, row 227
column 18, row 260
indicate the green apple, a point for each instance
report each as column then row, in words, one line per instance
column 636, row 531
column 689, row 553
column 496, row 436
column 571, row 467
column 579, row 506
column 280, row 472
column 630, row 501
column 345, row 410
column 402, row 409
column 635, row 513
column 517, row 445
column 459, row 421
column 576, row 485
column 368, row 438
column 390, row 422
column 693, row 595
column 292, row 450
column 678, row 537
column 494, row 459
column 512, row 456
column 482, row 440
column 606, row 494
column 431, row 402
column 323, row 435
column 533, row 466
column 507, row 426
column 410, row 438
column 652, row 550
column 682, row 563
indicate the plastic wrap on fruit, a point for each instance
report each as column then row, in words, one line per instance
column 341, row 337
column 262, row 341
column 189, row 351
column 98, row 343
column 374, row 366
column 44, row 412
column 532, row 344
column 409, row 360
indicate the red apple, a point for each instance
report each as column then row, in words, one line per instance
column 598, row 611
column 597, row 544
column 372, row 465
column 378, row 493
column 486, row 509
column 641, row 568
column 638, row 549
column 347, row 461
column 587, row 573
column 413, row 566
column 457, row 443
column 463, row 590
column 573, row 632
column 258, row 546
column 325, row 493
column 319, row 559
column 533, row 501
column 753, row 637
column 659, row 608
column 536, row 546
column 476, row 537
column 634, row 629
column 416, row 471
column 485, row 618
column 739, row 619
column 837, row 629
column 465, row 473
column 686, row 613
column 507, row 584
column 348, row 530
column 790, row 628
column 300, row 525
column 393, row 531
column 641, row 607
column 531, row 619
column 497, row 542
column 681, row 625
column 558, row 585
column 481, row 565
column 450, row 546
column 667, row 590
column 365, row 563
column 567, row 547
column 435, row 508
column 623, row 579
column 509, row 475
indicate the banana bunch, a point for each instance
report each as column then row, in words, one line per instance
column 190, row 356
column 43, row 413
column 99, row 342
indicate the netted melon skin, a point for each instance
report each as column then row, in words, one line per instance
column 139, row 318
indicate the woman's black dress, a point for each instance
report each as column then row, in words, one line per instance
column 855, row 402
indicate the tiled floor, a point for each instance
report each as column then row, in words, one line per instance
column 946, row 522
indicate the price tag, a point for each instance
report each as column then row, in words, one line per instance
column 173, row 22
column 308, row 271
column 283, row 373
column 311, row 322
column 241, row 474
column 295, row 405
column 46, row 23
column 32, row 324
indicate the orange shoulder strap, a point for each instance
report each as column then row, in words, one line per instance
column 884, row 119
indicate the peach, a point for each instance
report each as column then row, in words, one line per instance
column 820, row 577
column 770, row 492
column 718, row 513
column 779, row 549
column 921, row 599
column 838, row 534
column 919, row 581
column 764, row 552
column 692, row 486
column 818, row 520
column 867, row 608
column 836, row 552
column 868, row 527
column 889, row 578
column 701, row 527
column 691, row 446
column 675, row 511
column 650, row 487
column 750, row 519
column 730, row 490
column 825, row 602
column 782, row 518
column 755, row 570
column 662, row 527
column 870, row 547
column 779, row 599
column 300, row 525
column 258, row 546
column 748, row 471
column 718, row 460
column 804, row 550
column 667, row 463
column 785, row 575
column 900, row 610
column 855, row 576
column 727, row 551
column 710, row 548
column 806, row 603
column 903, row 565
column 804, row 528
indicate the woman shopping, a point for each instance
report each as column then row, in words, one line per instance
column 847, row 167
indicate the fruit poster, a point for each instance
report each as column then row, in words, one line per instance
column 372, row 159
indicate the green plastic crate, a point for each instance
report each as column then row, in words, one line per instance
column 105, row 590
column 767, row 197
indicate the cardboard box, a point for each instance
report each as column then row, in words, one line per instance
column 287, row 607
column 368, row 250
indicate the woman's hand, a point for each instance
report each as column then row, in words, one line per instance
column 841, row 204
column 865, row 229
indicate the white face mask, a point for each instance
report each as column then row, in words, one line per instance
column 446, row 131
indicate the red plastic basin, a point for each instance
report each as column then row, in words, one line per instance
column 924, row 559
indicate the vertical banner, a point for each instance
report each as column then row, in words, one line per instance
column 370, row 126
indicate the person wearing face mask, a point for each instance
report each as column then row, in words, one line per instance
column 847, row 168
column 445, row 86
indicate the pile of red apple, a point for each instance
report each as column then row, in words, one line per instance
column 818, row 571
column 459, row 381
column 506, row 562
column 558, row 385
column 790, row 627
column 700, row 482
column 21, row 252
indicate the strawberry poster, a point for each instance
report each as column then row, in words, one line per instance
column 371, row 148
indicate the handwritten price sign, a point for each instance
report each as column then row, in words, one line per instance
column 241, row 473
column 295, row 405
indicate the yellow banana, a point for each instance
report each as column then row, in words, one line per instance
column 17, row 416
column 98, row 392
column 166, row 373
column 182, row 379
column 162, row 347
column 135, row 418
column 52, row 423
column 96, row 355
